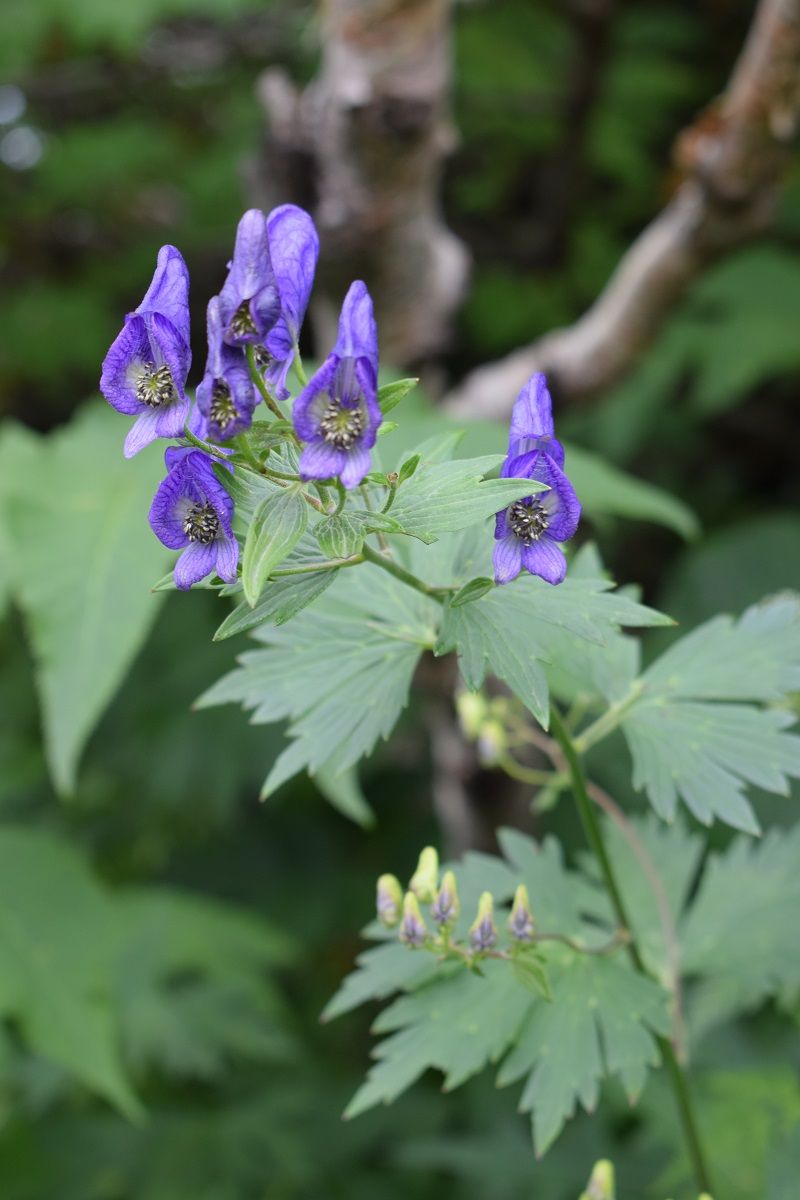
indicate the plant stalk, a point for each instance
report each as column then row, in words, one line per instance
column 380, row 560
column 595, row 839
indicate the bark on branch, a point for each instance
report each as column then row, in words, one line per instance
column 363, row 146
column 732, row 160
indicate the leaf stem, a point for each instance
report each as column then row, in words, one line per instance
column 439, row 594
column 610, row 719
column 595, row 839
column 329, row 564
column 266, row 394
column 299, row 369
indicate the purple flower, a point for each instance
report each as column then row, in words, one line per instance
column 145, row 369
column 249, row 301
column 337, row 414
column 191, row 511
column 294, row 249
column 532, row 422
column 226, row 397
column 528, row 531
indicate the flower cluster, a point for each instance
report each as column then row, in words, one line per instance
column 253, row 330
column 402, row 912
column 528, row 532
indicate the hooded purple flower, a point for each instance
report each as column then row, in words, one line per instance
column 337, row 414
column 294, row 249
column 191, row 511
column 249, row 301
column 529, row 530
column 144, row 371
column 532, row 422
column 226, row 396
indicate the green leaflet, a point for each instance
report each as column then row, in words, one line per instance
column 688, row 741
column 514, row 631
column 87, row 973
column 277, row 526
column 741, row 937
column 340, row 536
column 447, row 496
column 603, row 1017
column 340, row 675
column 75, row 516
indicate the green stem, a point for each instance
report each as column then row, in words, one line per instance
column 595, row 839
column 328, row 565
column 299, row 370
column 392, row 494
column 342, row 496
column 609, row 720
column 266, row 395
column 380, row 560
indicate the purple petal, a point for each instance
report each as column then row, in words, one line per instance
column 321, row 461
column 310, row 405
column 545, row 559
column 501, row 523
column 169, row 290
column 358, row 333
column 171, row 503
column 129, row 350
column 367, row 388
column 294, row 249
column 143, row 431
column 561, row 503
column 532, row 414
column 169, row 348
column 507, row 559
column 251, row 268
column 172, row 418
column 194, row 564
column 227, row 558
column 278, row 370
column 356, row 466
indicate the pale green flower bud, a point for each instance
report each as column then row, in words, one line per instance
column 472, row 710
column 483, row 931
column 520, row 921
column 388, row 900
column 601, row 1184
column 447, row 905
column 425, row 879
column 413, row 930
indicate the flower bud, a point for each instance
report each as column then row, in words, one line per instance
column 520, row 921
column 483, row 931
column 447, row 905
column 492, row 742
column 472, row 709
column 425, row 879
column 413, row 930
column 388, row 900
column 601, row 1184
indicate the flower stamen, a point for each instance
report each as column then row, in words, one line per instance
column 222, row 410
column 155, row 387
column 201, row 523
column 528, row 520
column 342, row 426
column 242, row 323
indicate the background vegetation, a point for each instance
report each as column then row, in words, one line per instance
column 125, row 126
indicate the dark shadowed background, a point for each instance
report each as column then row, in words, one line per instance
column 538, row 159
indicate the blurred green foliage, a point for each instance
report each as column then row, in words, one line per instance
column 200, row 934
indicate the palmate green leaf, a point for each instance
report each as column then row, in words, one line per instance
column 603, row 1017
column 57, row 945
column 447, row 496
column 277, row 526
column 340, row 675
column 741, row 937
column 510, row 631
column 340, row 536
column 82, row 554
column 100, row 981
column 689, row 741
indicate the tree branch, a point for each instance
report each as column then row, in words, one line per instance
column 364, row 146
column 732, row 160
